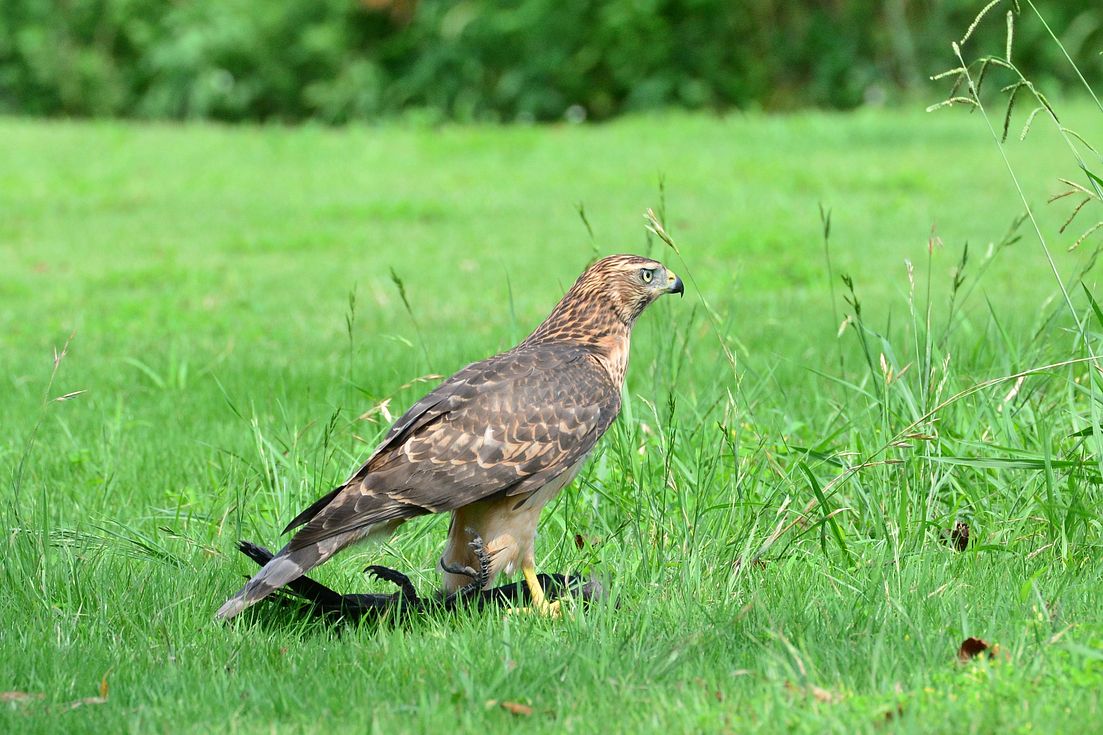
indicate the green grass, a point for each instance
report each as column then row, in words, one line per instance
column 205, row 274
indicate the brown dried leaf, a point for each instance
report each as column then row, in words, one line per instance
column 581, row 542
column 756, row 563
column 103, row 685
column 958, row 537
column 516, row 708
column 87, row 700
column 972, row 647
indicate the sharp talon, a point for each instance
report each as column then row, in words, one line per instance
column 479, row 549
column 464, row 571
column 480, row 578
column 395, row 577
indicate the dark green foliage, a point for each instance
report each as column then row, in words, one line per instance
column 339, row 60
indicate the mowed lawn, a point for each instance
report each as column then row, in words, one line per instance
column 771, row 513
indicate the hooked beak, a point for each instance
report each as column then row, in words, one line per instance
column 674, row 284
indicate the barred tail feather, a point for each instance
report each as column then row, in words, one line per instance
column 283, row 568
column 292, row 563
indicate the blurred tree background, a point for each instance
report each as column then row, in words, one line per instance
column 497, row 60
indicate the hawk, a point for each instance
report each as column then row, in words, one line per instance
column 492, row 445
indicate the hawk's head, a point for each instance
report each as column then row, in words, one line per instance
column 627, row 283
column 602, row 305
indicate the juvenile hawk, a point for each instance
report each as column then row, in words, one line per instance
column 492, row 444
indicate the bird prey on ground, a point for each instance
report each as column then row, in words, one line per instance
column 492, row 445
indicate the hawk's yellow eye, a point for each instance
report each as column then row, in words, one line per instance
column 646, row 275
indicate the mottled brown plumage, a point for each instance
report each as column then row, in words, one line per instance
column 493, row 443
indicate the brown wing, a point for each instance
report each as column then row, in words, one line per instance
column 506, row 425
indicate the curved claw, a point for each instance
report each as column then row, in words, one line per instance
column 478, row 547
column 395, row 577
column 479, row 578
column 463, row 571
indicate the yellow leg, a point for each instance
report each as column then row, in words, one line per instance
column 539, row 601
